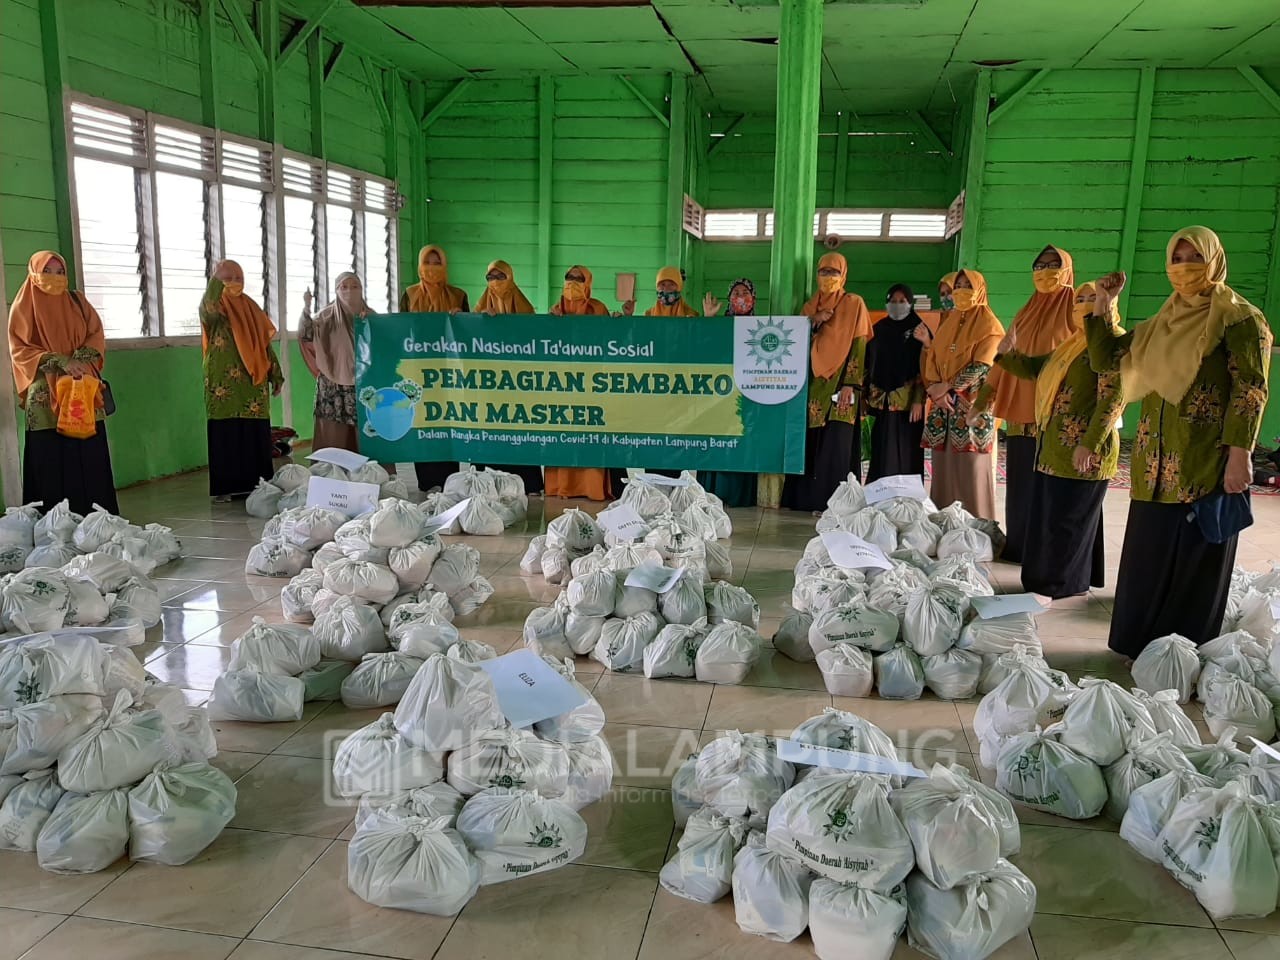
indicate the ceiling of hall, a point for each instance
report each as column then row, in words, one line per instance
column 878, row 55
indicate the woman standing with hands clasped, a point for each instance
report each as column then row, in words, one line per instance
column 1199, row 368
column 327, row 341
column 894, row 390
column 1077, row 452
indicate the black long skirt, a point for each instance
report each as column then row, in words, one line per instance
column 239, row 455
column 895, row 445
column 1019, row 493
column 57, row 468
column 1064, row 553
column 433, row 475
column 830, row 454
column 1172, row 580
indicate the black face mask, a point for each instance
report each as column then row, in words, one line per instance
column 669, row 297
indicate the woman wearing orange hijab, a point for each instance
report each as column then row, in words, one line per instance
column 671, row 303
column 594, row 483
column 837, row 354
column 954, row 368
column 1043, row 323
column 502, row 296
column 56, row 333
column 241, row 371
column 433, row 294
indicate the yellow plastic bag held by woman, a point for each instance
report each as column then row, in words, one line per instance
column 78, row 401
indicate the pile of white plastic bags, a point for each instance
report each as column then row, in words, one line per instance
column 453, row 797
column 97, row 760
column 289, row 486
column 495, row 501
column 854, row 857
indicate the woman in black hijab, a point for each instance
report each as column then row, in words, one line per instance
column 894, row 391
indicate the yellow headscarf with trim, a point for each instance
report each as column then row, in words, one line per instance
column 1066, row 353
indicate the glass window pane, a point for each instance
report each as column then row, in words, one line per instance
column 377, row 245
column 340, row 245
column 243, row 224
column 184, row 271
column 110, row 257
column 300, row 258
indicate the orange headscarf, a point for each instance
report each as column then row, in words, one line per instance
column 42, row 323
column 850, row 320
column 964, row 336
column 678, row 309
column 1042, row 324
column 251, row 329
column 503, row 296
column 434, row 295
column 587, row 306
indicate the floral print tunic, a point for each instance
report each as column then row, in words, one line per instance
column 1180, row 449
column 39, row 408
column 228, row 391
column 948, row 430
column 822, row 409
column 1086, row 410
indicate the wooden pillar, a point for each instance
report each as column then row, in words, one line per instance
column 1137, row 178
column 677, row 143
column 975, row 162
column 546, row 145
column 55, row 63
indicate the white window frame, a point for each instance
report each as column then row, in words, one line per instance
column 764, row 215
column 272, row 184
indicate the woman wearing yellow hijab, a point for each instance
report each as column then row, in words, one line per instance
column 594, row 483
column 1077, row 453
column 1199, row 368
column 837, row 359
column 240, row 370
column 1044, row 321
column 954, row 368
column 670, row 285
column 55, row 333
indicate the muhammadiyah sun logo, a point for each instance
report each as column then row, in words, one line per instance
column 544, row 836
column 769, row 342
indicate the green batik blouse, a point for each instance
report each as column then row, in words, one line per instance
column 822, row 409
column 39, row 409
column 1086, row 409
column 1180, row 449
column 228, row 392
column 894, row 401
column 951, row 431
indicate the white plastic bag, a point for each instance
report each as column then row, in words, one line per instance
column 845, row 731
column 702, row 868
column 1103, row 720
column 290, row 476
column 966, row 540
column 544, row 631
column 953, row 674
column 1030, row 696
column 278, row 648
column 348, row 630
column 1168, row 717
column 1001, row 635
column 516, row 833
column 674, row 652
column 18, row 525
column 854, row 623
column 1168, row 663
column 899, row 674
column 1145, row 761
column 379, row 680
column 728, row 602
column 1036, row 770
column 1235, row 702
column 370, row 582
column 256, row 697
column 622, row 642
column 85, row 834
column 590, row 772
column 578, row 724
column 275, row 558
column 770, row 892
column 481, row 519
column 96, row 529
column 42, row 730
column 448, row 703
column 955, row 837
column 50, row 666
column 177, row 811
column 846, row 921
column 310, row 527
column 412, row 563
column 531, row 562
column 685, row 603
column 972, row 920
column 35, row 600
column 456, row 568
column 432, row 802
column 411, row 863
column 582, row 633
column 512, row 758
column 105, row 572
column 26, row 808
column 117, row 750
column 573, row 530
column 377, row 759
column 792, row 637
column 264, row 501
column 933, row 618
column 592, row 594
column 846, row 670
column 727, row 653
column 1151, row 805
column 296, row 597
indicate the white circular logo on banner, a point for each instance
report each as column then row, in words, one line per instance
column 770, row 357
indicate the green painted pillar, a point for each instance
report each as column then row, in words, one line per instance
column 55, row 64
column 795, row 170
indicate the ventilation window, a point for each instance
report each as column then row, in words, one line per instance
column 918, row 226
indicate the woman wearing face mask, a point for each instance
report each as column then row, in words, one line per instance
column 1044, row 321
column 594, row 483
column 837, row 351
column 328, row 347
column 433, row 294
column 56, row 333
column 733, row 488
column 670, row 303
column 1199, row 368
column 954, row 369
column 240, row 373
column 894, row 390
column 1077, row 451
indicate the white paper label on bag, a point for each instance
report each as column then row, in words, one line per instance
column 658, row 480
column 623, row 522
column 348, row 498
column 346, row 459
column 445, row 519
column 854, row 553
column 1272, row 752
column 909, row 485
column 529, row 689
column 1006, row 605
column 792, row 751
column 654, row 576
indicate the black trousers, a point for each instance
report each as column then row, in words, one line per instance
column 1019, row 491
column 830, row 454
column 1172, row 580
column 1064, row 551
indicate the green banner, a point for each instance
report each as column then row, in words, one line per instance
column 713, row 393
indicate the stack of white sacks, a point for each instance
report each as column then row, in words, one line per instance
column 686, row 524
column 98, row 760
column 88, row 572
column 497, row 501
column 289, row 487
column 854, row 857
column 452, row 796
column 697, row 628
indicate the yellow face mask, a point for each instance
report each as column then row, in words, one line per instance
column 963, row 298
column 1047, row 281
column 575, row 290
column 500, row 286
column 233, row 289
column 432, row 273
column 1189, row 279
column 50, row 283
column 830, row 284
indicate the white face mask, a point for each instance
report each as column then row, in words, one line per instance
column 351, row 297
column 897, row 311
